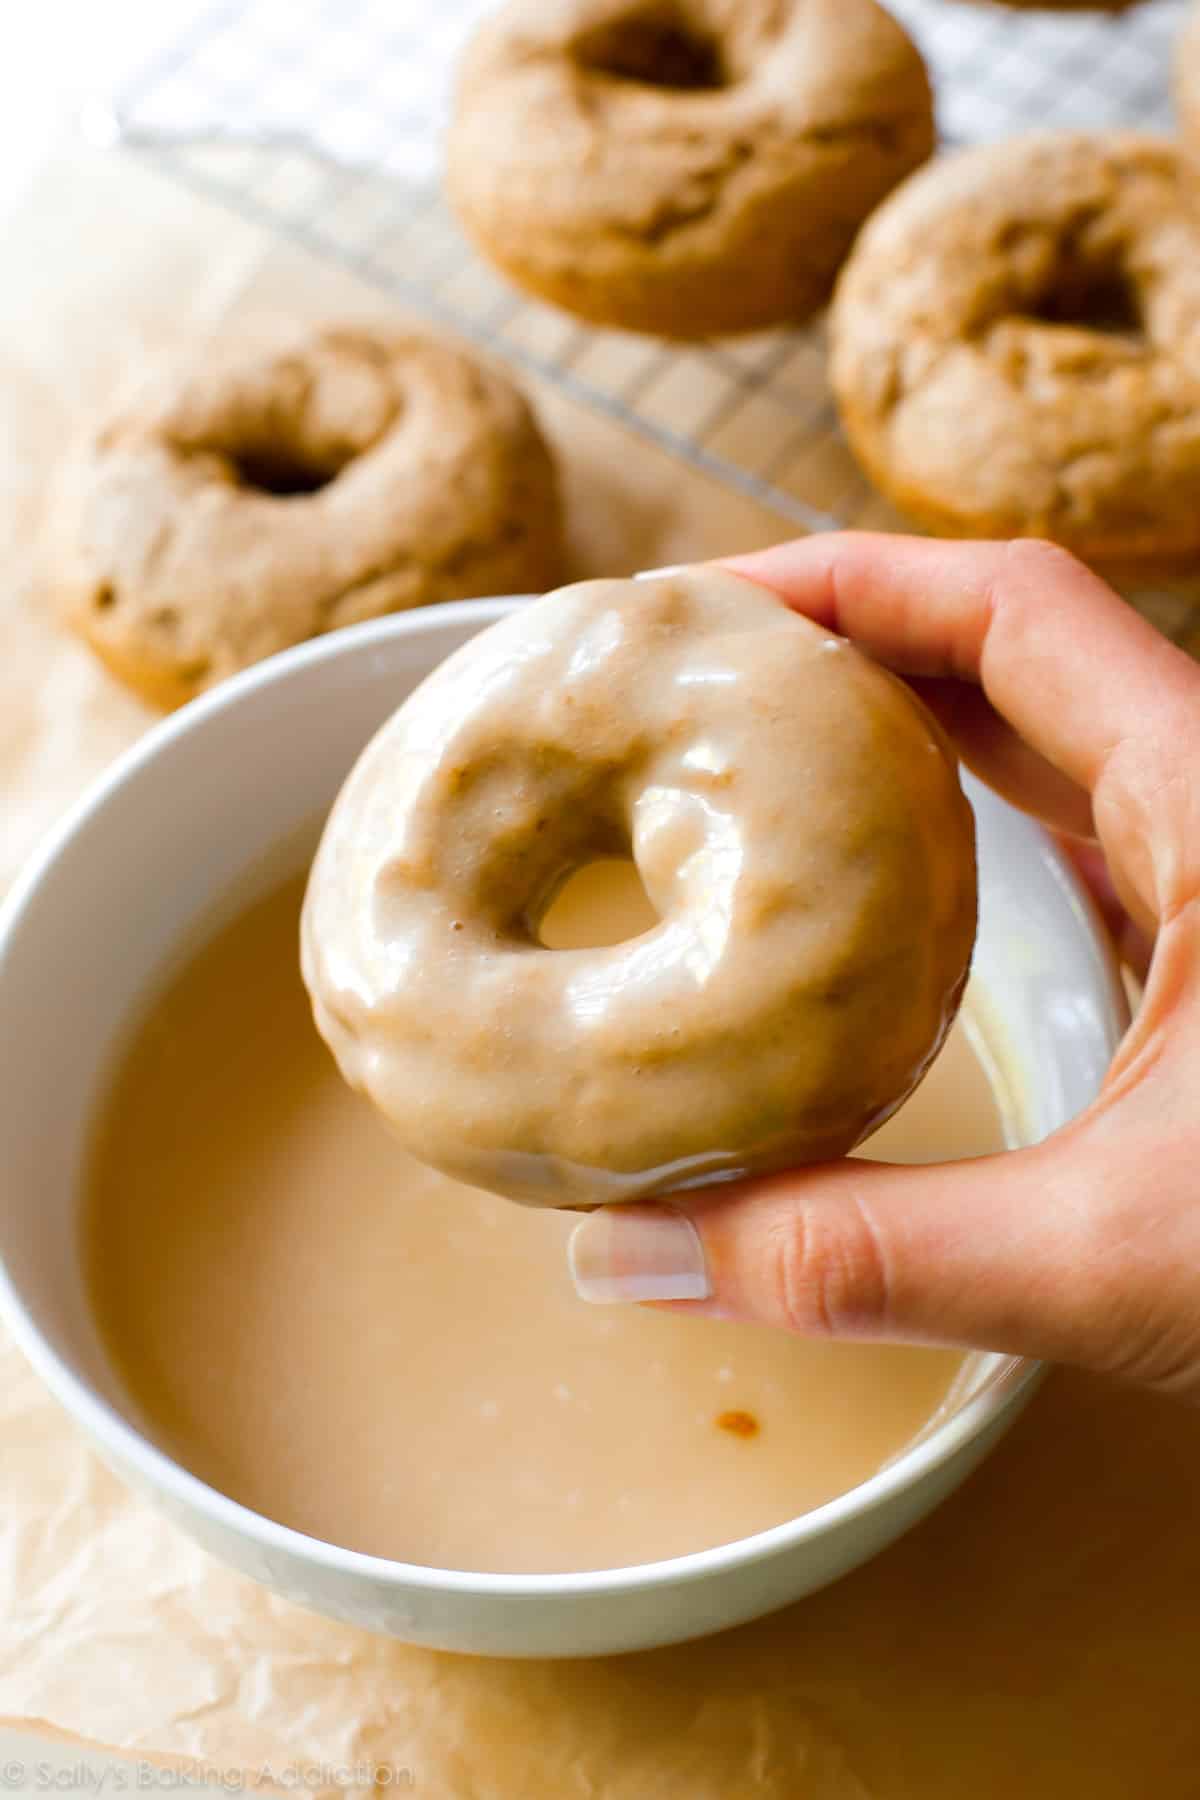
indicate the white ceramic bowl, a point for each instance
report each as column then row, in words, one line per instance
column 213, row 802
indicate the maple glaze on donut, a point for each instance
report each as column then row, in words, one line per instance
column 797, row 820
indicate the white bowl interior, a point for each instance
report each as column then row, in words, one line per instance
column 225, row 797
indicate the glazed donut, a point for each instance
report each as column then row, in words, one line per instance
column 685, row 167
column 1016, row 346
column 354, row 473
column 797, row 821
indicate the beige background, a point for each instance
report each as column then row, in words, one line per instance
column 64, row 52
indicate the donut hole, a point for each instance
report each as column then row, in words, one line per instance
column 281, row 470
column 1091, row 297
column 654, row 47
column 597, row 904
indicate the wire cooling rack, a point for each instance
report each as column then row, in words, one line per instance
column 323, row 119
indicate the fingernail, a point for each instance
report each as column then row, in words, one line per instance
column 667, row 569
column 637, row 1252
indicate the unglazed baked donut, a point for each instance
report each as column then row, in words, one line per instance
column 686, row 167
column 797, row 820
column 354, row 473
column 1016, row 346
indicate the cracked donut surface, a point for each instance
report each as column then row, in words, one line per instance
column 353, row 472
column 686, row 167
column 1016, row 346
column 797, row 822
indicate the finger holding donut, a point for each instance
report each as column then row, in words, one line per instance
column 1086, row 1247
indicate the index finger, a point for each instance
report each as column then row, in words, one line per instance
column 1060, row 656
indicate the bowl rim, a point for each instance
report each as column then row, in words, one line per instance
column 1015, row 1380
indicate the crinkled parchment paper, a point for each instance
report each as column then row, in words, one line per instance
column 1038, row 1637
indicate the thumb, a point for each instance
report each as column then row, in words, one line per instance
column 1009, row 1252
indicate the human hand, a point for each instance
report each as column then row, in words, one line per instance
column 1086, row 1247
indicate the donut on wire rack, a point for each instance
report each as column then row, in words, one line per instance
column 685, row 167
column 1015, row 346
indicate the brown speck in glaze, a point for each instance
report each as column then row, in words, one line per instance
column 738, row 1424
